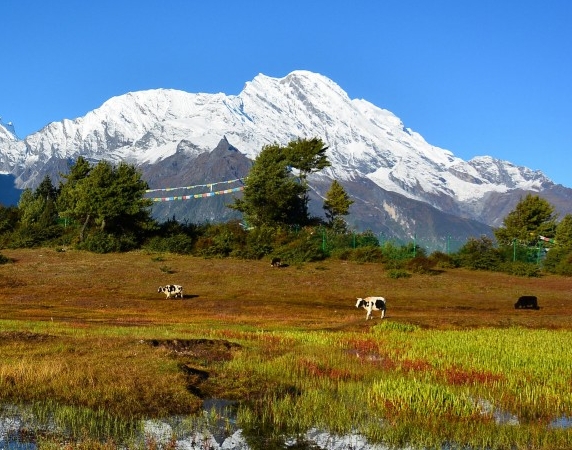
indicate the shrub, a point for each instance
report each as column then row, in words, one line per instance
column 303, row 249
column 360, row 254
column 521, row 269
column 398, row 273
column 420, row 264
column 442, row 260
column 101, row 242
column 4, row 259
column 179, row 243
column 479, row 254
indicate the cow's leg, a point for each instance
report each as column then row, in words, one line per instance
column 383, row 313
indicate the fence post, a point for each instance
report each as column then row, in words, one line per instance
column 513, row 250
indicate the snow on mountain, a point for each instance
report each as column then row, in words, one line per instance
column 364, row 141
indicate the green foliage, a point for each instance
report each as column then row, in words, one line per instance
column 521, row 269
column 442, row 260
column 307, row 155
column 559, row 261
column 336, row 205
column 563, row 235
column 222, row 240
column 360, row 254
column 33, row 235
column 303, row 247
column 479, row 254
column 272, row 196
column 9, row 218
column 420, row 264
column 532, row 216
column 100, row 241
column 173, row 237
column 108, row 198
column 398, row 273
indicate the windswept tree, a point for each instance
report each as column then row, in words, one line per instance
column 272, row 195
column 337, row 205
column 532, row 217
column 307, row 156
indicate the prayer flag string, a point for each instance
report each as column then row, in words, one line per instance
column 193, row 196
column 209, row 185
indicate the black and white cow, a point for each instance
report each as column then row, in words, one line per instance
column 171, row 290
column 527, row 302
column 276, row 262
column 371, row 304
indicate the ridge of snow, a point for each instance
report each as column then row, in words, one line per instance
column 363, row 139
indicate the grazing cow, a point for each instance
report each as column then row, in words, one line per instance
column 527, row 302
column 171, row 290
column 371, row 304
column 276, row 262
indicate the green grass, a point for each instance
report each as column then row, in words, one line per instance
column 87, row 342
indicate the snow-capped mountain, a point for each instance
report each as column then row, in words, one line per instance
column 368, row 146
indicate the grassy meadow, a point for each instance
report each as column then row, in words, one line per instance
column 87, row 342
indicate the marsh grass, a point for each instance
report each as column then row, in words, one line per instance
column 76, row 330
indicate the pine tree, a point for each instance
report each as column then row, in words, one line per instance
column 272, row 195
column 336, row 205
column 563, row 235
column 532, row 217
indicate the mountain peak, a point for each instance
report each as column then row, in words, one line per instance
column 365, row 141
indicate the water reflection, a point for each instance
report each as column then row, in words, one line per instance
column 217, row 429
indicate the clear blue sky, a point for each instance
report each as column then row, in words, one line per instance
column 481, row 77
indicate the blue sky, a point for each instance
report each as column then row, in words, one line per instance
column 486, row 77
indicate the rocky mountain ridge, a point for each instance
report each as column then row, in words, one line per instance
column 390, row 171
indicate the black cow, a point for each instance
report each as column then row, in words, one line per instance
column 276, row 262
column 527, row 302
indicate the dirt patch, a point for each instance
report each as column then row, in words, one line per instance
column 25, row 336
column 195, row 357
column 209, row 350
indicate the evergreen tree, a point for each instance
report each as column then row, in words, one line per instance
column 532, row 217
column 307, row 156
column 108, row 197
column 563, row 235
column 336, row 205
column 271, row 195
column 38, row 207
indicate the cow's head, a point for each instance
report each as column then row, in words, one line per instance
column 360, row 302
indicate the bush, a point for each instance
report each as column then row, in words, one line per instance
column 521, row 269
column 303, row 249
column 101, row 242
column 479, row 254
column 398, row 273
column 442, row 260
column 559, row 261
column 420, row 264
column 360, row 254
column 178, row 243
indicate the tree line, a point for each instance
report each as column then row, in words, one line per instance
column 102, row 208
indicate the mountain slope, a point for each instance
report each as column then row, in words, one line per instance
column 367, row 144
